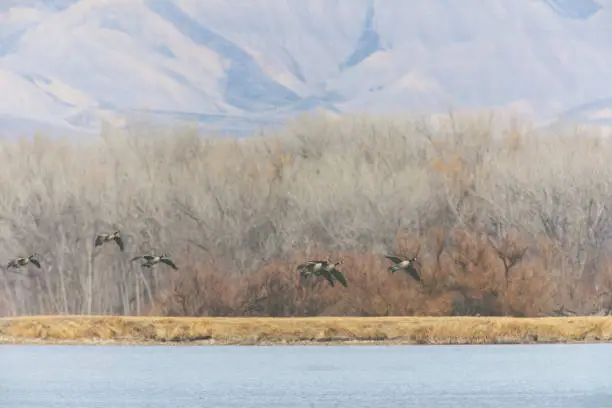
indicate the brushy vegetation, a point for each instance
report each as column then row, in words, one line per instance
column 394, row 330
column 510, row 221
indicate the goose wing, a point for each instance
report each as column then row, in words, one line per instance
column 119, row 242
column 168, row 262
column 327, row 275
column 35, row 262
column 394, row 258
column 307, row 264
column 146, row 257
column 411, row 270
column 339, row 277
column 99, row 240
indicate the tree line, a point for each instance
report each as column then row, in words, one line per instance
column 509, row 221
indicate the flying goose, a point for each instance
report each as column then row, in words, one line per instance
column 23, row 261
column 151, row 260
column 325, row 268
column 101, row 239
column 405, row 264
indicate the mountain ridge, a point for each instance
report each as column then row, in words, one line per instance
column 77, row 63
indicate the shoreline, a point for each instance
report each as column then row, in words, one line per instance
column 311, row 331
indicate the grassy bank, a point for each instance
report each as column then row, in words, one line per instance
column 319, row 330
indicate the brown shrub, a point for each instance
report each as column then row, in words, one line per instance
column 462, row 275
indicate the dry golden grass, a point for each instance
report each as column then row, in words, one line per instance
column 392, row 330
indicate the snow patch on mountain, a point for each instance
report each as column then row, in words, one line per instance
column 247, row 63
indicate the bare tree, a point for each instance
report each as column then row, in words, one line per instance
column 346, row 185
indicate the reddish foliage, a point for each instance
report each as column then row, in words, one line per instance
column 462, row 273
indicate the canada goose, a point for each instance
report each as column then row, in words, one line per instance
column 405, row 264
column 325, row 268
column 151, row 260
column 113, row 236
column 23, row 261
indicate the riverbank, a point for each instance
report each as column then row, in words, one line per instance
column 316, row 330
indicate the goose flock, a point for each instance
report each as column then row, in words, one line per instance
column 316, row 268
column 328, row 269
column 148, row 261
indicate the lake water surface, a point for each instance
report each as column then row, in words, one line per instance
column 525, row 376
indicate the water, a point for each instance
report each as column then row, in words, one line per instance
column 572, row 376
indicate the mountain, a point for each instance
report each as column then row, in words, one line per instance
column 234, row 65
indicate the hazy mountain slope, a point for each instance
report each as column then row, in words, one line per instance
column 244, row 62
